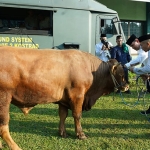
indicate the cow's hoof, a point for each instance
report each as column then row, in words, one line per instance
column 16, row 148
column 63, row 134
column 82, row 136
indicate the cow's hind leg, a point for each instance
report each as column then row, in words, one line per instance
column 5, row 99
column 4, row 132
column 1, row 145
column 63, row 113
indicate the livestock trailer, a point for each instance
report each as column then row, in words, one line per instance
column 73, row 24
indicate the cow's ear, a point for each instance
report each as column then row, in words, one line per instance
column 114, row 68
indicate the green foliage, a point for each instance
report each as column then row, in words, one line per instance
column 131, row 75
column 110, row 125
column 132, row 78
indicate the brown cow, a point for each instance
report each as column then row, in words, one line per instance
column 71, row 78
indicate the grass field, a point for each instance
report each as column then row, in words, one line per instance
column 110, row 125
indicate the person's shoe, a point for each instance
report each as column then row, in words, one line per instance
column 146, row 112
column 128, row 92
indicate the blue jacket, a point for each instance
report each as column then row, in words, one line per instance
column 118, row 54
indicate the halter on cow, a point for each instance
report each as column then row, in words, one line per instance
column 116, row 84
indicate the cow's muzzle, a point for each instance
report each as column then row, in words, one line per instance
column 123, row 87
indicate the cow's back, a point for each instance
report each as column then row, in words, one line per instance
column 44, row 75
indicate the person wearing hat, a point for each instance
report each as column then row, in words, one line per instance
column 145, row 45
column 102, row 48
column 142, row 55
column 144, row 70
column 121, row 53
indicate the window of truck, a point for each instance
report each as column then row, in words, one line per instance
column 107, row 26
column 26, row 21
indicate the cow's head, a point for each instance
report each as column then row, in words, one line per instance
column 117, row 75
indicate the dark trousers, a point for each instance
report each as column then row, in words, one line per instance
column 126, row 75
column 148, row 85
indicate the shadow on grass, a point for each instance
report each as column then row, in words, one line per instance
column 51, row 129
column 50, row 126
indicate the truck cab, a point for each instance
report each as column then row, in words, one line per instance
column 72, row 24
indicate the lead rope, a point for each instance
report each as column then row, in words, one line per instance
column 142, row 94
column 121, row 96
column 139, row 96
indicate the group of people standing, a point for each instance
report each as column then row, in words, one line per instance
column 120, row 52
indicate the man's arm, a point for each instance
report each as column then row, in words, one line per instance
column 99, row 49
column 142, row 70
column 133, row 62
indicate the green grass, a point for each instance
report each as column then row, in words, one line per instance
column 110, row 125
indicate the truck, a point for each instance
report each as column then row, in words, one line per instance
column 75, row 24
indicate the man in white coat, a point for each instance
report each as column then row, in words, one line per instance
column 145, row 45
column 102, row 48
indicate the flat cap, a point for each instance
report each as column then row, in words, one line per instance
column 131, row 39
column 144, row 37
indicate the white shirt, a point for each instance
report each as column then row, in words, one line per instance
column 142, row 55
column 102, row 54
column 145, row 69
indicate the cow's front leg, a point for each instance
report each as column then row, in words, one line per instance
column 63, row 113
column 78, row 128
column 76, row 113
